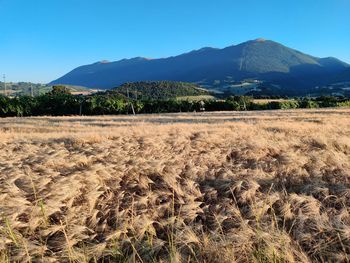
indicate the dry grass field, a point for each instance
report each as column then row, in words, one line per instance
column 269, row 186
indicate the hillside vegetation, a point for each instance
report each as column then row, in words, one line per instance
column 268, row 186
column 159, row 90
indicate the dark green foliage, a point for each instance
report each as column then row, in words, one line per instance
column 57, row 104
column 239, row 102
column 327, row 101
column 105, row 104
column 59, row 89
column 218, row 105
column 61, row 103
column 4, row 104
column 159, row 90
column 284, row 105
column 29, row 105
column 10, row 107
column 308, row 103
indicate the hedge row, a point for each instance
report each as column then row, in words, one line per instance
column 62, row 103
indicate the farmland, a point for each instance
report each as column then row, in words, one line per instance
column 263, row 186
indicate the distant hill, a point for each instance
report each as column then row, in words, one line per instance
column 264, row 62
column 145, row 90
column 23, row 88
column 35, row 89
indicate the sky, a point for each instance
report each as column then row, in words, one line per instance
column 41, row 40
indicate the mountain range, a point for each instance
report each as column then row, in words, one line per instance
column 258, row 65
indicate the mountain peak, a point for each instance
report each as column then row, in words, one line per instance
column 259, row 40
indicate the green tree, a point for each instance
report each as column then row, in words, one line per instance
column 59, row 89
column 239, row 102
column 308, row 103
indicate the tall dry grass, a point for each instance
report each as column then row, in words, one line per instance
column 211, row 187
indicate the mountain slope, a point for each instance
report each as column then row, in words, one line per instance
column 265, row 60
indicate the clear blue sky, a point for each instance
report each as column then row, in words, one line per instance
column 40, row 40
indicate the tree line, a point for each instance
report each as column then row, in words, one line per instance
column 60, row 102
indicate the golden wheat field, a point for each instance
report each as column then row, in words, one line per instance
column 269, row 186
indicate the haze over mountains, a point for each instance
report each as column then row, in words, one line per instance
column 253, row 66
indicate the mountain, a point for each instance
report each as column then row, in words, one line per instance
column 252, row 65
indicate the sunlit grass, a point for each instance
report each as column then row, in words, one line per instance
column 267, row 186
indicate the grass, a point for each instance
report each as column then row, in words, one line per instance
column 267, row 186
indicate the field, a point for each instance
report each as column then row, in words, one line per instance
column 27, row 88
column 264, row 186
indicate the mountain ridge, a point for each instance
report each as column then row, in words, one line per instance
column 265, row 60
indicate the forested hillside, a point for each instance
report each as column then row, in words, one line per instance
column 146, row 90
